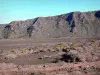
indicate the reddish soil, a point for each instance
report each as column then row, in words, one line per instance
column 50, row 57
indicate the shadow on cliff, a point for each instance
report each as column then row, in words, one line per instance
column 97, row 14
column 71, row 21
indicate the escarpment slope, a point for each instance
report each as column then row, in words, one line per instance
column 74, row 24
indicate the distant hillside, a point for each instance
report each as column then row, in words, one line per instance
column 74, row 24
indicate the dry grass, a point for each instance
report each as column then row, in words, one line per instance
column 75, row 44
column 19, row 52
column 61, row 46
column 94, row 41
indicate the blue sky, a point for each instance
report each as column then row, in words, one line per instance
column 27, row 9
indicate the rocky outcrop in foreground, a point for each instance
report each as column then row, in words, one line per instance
column 74, row 24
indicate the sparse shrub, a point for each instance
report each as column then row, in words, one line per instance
column 61, row 46
column 24, row 50
column 93, row 41
column 20, row 51
column 12, row 51
column 75, row 44
column 70, row 58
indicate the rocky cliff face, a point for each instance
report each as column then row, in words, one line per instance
column 74, row 24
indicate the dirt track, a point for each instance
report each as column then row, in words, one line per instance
column 6, row 44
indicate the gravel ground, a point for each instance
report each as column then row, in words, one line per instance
column 27, row 57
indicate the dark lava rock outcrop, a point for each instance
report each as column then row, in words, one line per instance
column 74, row 24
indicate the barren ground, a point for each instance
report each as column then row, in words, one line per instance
column 71, row 56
